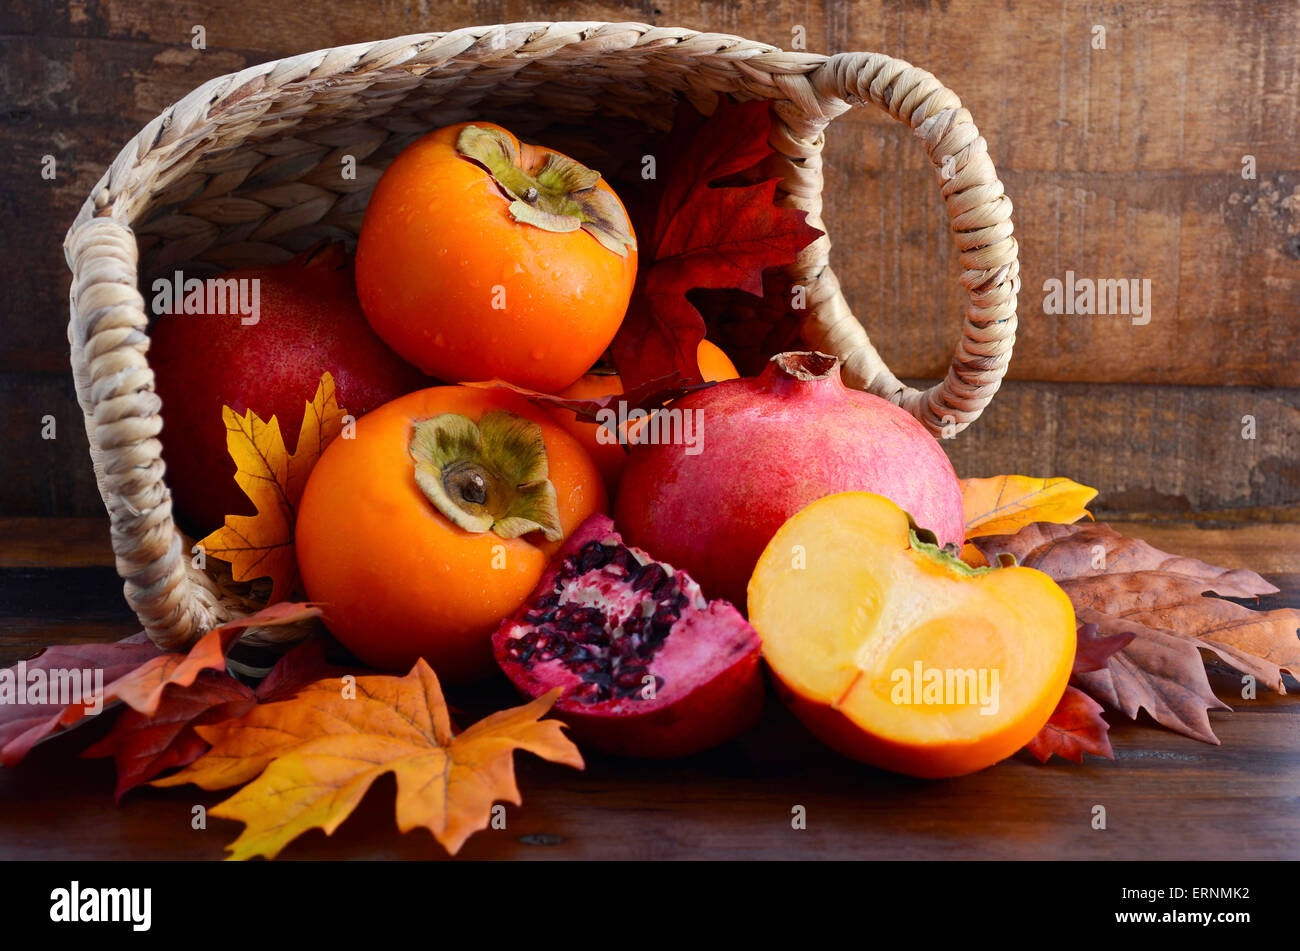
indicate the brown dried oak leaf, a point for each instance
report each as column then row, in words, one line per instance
column 1124, row 585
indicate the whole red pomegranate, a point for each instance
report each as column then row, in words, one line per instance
column 765, row 447
column 648, row 667
column 308, row 321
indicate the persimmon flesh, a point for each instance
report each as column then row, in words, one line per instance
column 896, row 654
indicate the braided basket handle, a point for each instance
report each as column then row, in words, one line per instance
column 980, row 218
column 108, row 336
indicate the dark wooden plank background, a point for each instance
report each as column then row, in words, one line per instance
column 1123, row 163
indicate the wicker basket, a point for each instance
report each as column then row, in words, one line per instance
column 245, row 169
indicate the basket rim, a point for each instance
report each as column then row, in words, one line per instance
column 226, row 91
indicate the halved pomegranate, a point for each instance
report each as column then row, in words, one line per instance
column 648, row 666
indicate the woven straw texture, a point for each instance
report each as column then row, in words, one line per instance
column 246, row 170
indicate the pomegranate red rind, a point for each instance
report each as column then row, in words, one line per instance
column 649, row 668
column 764, row 449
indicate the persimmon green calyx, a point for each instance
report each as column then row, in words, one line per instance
column 923, row 541
column 553, row 192
column 487, row 476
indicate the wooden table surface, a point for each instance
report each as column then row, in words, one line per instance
column 1166, row 796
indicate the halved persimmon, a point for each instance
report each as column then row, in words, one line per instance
column 896, row 653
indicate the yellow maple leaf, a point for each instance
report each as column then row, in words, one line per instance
column 261, row 545
column 1005, row 504
column 315, row 756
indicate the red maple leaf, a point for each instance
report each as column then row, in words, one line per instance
column 709, row 226
column 1076, row 724
column 132, row 670
column 1075, row 727
column 23, row 725
column 1094, row 649
column 143, row 746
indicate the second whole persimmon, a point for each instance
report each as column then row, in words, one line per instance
column 435, row 521
column 483, row 257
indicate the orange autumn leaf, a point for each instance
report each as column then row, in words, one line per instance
column 1005, row 504
column 309, row 761
column 261, row 545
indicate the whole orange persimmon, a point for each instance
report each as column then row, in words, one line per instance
column 483, row 257
column 609, row 456
column 435, row 522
